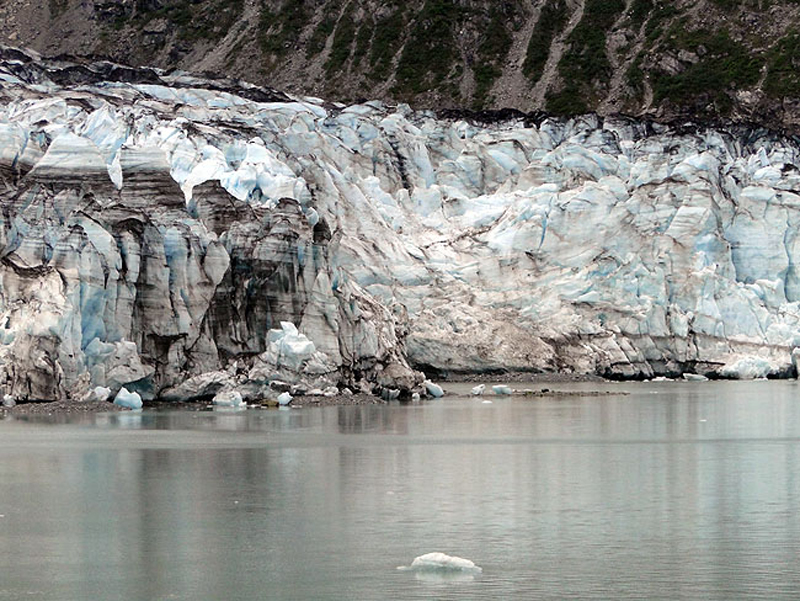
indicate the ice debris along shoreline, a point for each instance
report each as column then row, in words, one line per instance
column 159, row 231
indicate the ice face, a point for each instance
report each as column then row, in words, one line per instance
column 156, row 233
column 127, row 399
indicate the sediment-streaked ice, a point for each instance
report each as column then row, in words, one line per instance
column 158, row 236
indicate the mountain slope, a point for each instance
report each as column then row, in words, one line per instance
column 707, row 58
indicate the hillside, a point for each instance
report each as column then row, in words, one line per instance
column 705, row 59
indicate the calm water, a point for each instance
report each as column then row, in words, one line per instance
column 677, row 491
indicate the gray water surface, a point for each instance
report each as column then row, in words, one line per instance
column 676, row 491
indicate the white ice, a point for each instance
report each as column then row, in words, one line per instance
column 129, row 400
column 434, row 390
column 229, row 398
column 441, row 562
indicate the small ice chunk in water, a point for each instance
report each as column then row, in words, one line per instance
column 129, row 400
column 434, row 390
column 486, row 403
column 441, row 562
column 284, row 399
column 9, row 401
column 478, row 390
column 502, row 389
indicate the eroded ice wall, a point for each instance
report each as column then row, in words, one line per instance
column 155, row 229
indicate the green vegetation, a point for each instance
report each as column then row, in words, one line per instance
column 342, row 42
column 586, row 60
column 428, row 55
column 585, row 65
column 634, row 77
column 662, row 13
column 727, row 5
column 363, row 39
column 492, row 51
column 568, row 101
column 639, row 11
column 279, row 31
column 552, row 20
column 323, row 30
column 209, row 21
column 57, row 7
column 783, row 75
column 386, row 41
column 724, row 64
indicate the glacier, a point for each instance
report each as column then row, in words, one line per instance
column 180, row 236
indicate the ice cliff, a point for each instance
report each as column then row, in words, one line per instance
column 174, row 236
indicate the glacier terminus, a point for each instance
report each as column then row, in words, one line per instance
column 180, row 238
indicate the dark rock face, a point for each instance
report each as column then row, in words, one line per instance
column 683, row 59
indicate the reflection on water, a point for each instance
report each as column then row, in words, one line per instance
column 679, row 491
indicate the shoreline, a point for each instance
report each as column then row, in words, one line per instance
column 528, row 385
column 40, row 408
column 77, row 407
column 518, row 377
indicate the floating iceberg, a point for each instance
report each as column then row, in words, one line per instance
column 502, row 389
column 479, row 390
column 129, row 400
column 284, row 399
column 441, row 562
